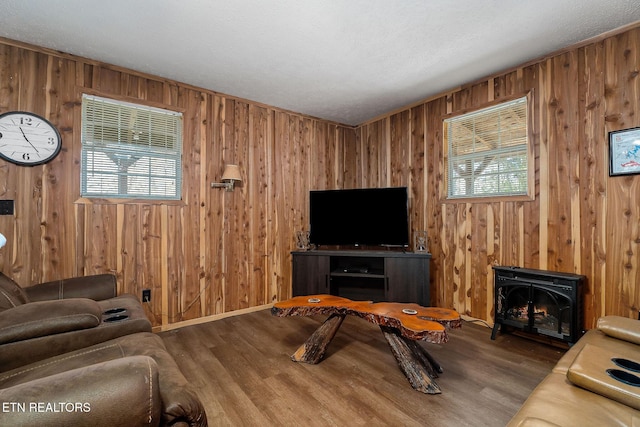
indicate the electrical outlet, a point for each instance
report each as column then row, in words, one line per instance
column 146, row 295
column 6, row 207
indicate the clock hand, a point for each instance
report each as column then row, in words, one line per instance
column 27, row 139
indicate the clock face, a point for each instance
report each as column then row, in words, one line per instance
column 28, row 139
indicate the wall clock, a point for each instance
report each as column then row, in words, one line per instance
column 28, row 139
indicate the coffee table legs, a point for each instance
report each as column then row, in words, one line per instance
column 314, row 348
column 414, row 361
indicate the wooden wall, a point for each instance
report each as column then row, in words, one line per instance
column 216, row 252
column 211, row 253
column 581, row 220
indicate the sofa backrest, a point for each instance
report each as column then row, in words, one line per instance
column 11, row 294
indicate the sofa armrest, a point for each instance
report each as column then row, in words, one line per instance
column 591, row 371
column 96, row 287
column 118, row 392
column 43, row 318
column 622, row 328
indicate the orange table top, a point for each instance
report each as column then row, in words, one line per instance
column 412, row 320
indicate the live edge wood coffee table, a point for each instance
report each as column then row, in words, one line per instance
column 401, row 324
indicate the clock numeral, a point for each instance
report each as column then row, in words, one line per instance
column 26, row 156
column 51, row 140
column 0, row 135
column 25, row 121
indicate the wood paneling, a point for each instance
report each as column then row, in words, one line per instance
column 622, row 108
column 211, row 253
column 580, row 221
column 216, row 251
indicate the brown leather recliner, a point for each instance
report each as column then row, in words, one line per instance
column 131, row 380
column 57, row 317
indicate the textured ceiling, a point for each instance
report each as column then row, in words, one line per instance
column 341, row 60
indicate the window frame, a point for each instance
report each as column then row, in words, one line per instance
column 134, row 198
column 529, row 195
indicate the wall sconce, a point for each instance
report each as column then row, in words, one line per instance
column 230, row 176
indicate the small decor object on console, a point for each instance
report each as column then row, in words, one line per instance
column 420, row 241
column 302, row 240
column 27, row 139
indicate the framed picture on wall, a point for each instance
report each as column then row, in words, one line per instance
column 624, row 152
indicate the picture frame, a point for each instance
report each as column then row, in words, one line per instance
column 624, row 152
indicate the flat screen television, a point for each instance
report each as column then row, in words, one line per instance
column 359, row 217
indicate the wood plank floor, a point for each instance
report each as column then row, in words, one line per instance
column 240, row 367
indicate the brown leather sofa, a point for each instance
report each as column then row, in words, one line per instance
column 69, row 360
column 57, row 317
column 581, row 391
column 127, row 381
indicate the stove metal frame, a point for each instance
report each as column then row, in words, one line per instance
column 564, row 289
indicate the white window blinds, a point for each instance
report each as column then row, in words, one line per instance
column 487, row 151
column 130, row 151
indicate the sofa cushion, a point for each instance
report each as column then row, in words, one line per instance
column 595, row 337
column 181, row 406
column 590, row 371
column 129, row 321
column 44, row 318
column 619, row 327
column 536, row 422
column 119, row 392
column 96, row 287
column 557, row 401
column 11, row 295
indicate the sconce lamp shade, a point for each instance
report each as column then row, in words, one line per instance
column 231, row 173
column 230, row 176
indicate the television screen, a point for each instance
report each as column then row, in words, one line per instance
column 365, row 216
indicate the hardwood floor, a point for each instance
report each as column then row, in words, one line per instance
column 240, row 367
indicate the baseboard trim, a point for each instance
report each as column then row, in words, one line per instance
column 214, row 317
column 211, row 318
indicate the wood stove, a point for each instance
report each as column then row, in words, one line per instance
column 541, row 302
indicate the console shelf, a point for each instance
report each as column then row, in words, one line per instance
column 363, row 275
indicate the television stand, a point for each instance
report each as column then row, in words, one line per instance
column 363, row 275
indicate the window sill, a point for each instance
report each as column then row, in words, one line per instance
column 108, row 201
column 489, row 199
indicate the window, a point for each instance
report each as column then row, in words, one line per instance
column 130, row 151
column 488, row 152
